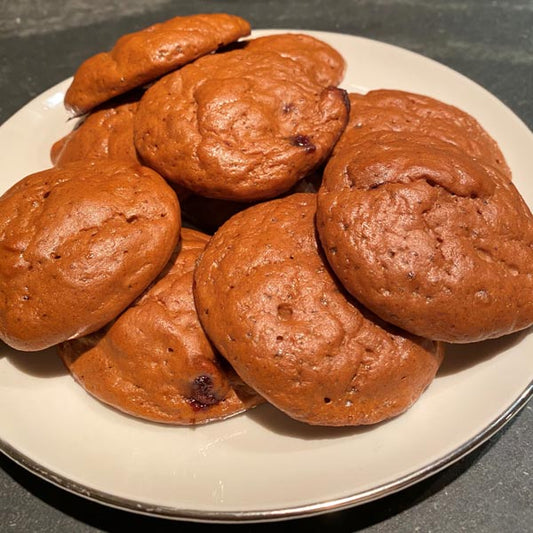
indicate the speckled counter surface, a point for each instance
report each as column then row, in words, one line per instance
column 42, row 42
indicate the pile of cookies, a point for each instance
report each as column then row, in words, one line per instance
column 340, row 240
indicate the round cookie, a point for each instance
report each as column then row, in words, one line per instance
column 154, row 361
column 104, row 133
column 427, row 237
column 77, row 245
column 269, row 303
column 393, row 110
column 143, row 56
column 243, row 125
column 322, row 62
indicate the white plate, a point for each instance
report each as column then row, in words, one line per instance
column 262, row 465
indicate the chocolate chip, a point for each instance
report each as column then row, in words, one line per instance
column 202, row 391
column 304, row 141
column 287, row 108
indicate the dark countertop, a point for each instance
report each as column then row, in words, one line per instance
column 490, row 42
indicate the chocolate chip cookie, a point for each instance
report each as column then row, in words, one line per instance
column 155, row 361
column 401, row 111
column 244, row 125
column 79, row 243
column 429, row 238
column 268, row 301
column 143, row 56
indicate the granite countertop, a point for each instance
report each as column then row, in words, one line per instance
column 490, row 42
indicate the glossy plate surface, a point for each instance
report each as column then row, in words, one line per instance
column 262, row 465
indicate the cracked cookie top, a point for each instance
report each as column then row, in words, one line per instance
column 322, row 62
column 269, row 302
column 401, row 111
column 78, row 244
column 429, row 236
column 243, row 125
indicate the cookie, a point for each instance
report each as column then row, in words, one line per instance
column 429, row 238
column 104, row 133
column 393, row 110
column 268, row 301
column 143, row 56
column 243, row 125
column 322, row 62
column 154, row 361
column 77, row 245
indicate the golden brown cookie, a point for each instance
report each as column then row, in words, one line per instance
column 269, row 303
column 243, row 125
column 429, row 238
column 155, row 361
column 393, row 110
column 322, row 62
column 77, row 245
column 104, row 133
column 143, row 56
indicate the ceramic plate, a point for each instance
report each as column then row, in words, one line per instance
column 262, row 465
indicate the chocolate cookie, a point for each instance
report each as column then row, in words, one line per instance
column 155, row 361
column 105, row 133
column 429, row 238
column 143, row 56
column 77, row 245
column 269, row 303
column 243, row 125
column 322, row 62
column 392, row 110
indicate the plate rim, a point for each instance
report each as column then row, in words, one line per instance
column 269, row 515
column 297, row 511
